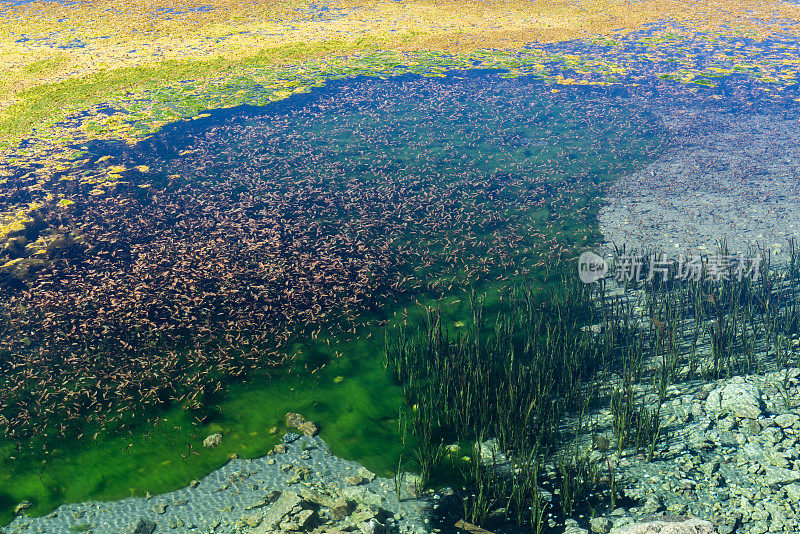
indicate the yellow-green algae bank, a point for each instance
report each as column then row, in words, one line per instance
column 76, row 75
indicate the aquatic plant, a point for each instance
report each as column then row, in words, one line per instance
column 542, row 368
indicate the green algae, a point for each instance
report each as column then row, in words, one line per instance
column 341, row 383
column 149, row 97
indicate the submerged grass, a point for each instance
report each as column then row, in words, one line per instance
column 528, row 377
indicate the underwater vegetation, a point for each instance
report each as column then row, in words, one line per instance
column 168, row 249
column 157, row 276
column 529, row 377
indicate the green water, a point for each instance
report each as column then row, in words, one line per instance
column 427, row 132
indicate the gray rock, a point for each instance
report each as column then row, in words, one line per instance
column 753, row 451
column 753, row 427
column 364, row 495
column 772, row 435
column 143, row 527
column 279, row 510
column 776, row 515
column 366, row 474
column 306, row 519
column 787, row 420
column 373, row 526
column 709, row 468
column 775, row 458
column 680, row 526
column 793, row 492
column 736, row 397
column 253, row 520
column 728, row 438
column 780, row 476
column 341, row 508
column 601, row 525
column 652, row 505
column 572, row 527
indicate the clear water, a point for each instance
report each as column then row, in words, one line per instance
column 338, row 210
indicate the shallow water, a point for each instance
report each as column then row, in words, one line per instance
column 341, row 207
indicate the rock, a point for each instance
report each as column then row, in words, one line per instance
column 361, row 494
column 709, row 468
column 366, row 474
column 737, row 397
column 787, row 420
column 290, row 437
column 194, row 483
column 24, row 505
column 305, row 519
column 253, row 520
column 373, row 526
column 490, row 454
column 572, row 527
column 341, row 508
column 772, row 435
column 273, row 430
column 778, row 476
column 775, row 458
column 143, row 527
column 299, row 422
column 279, row 510
column 669, row 525
column 600, row 443
column 753, row 452
column 365, row 513
column 280, row 448
column 601, row 525
column 793, row 492
column 213, row 440
column 652, row 505
column 753, row 427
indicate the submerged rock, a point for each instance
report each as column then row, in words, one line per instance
column 299, row 422
column 213, row 440
column 21, row 507
column 143, row 527
column 601, row 525
column 282, row 507
column 669, row 525
column 737, row 397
